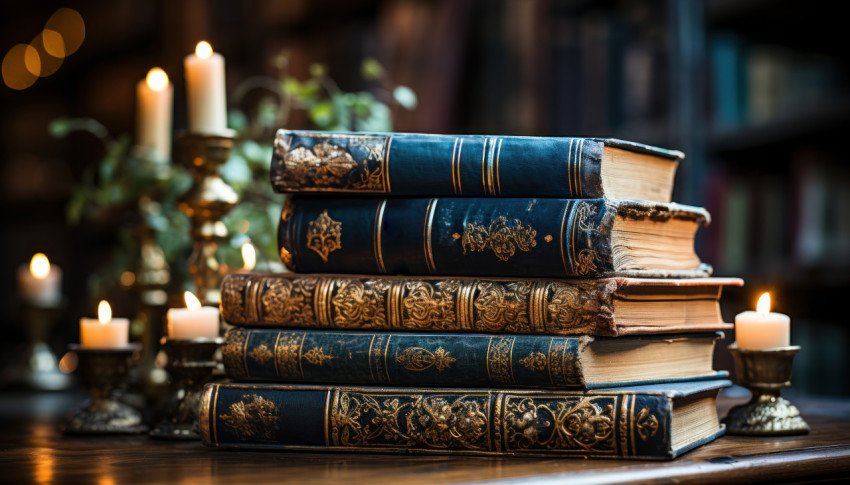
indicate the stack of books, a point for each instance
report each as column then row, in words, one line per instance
column 473, row 294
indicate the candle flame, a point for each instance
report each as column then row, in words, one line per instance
column 203, row 49
column 763, row 306
column 249, row 256
column 104, row 312
column 157, row 79
column 192, row 302
column 39, row 266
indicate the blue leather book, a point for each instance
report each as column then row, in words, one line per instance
column 467, row 360
column 410, row 165
column 657, row 422
column 490, row 237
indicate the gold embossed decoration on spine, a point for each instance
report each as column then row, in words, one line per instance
column 288, row 354
column 430, row 306
column 252, row 418
column 585, row 262
column 317, row 356
column 418, row 359
column 502, row 236
column 581, row 425
column 347, row 163
column 499, row 360
column 324, row 235
column 233, row 352
column 360, row 303
column 502, row 306
column 261, row 354
column 289, row 301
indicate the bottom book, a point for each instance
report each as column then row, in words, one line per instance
column 652, row 421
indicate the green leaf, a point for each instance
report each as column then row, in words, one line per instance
column 379, row 119
column 267, row 111
column 237, row 120
column 371, row 69
column 318, row 70
column 60, row 127
column 405, row 97
column 322, row 113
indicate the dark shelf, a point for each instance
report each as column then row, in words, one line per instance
column 808, row 121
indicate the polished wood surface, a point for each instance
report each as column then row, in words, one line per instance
column 33, row 451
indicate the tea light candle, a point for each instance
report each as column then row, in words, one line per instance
column 154, row 105
column 194, row 321
column 205, row 90
column 104, row 332
column 40, row 284
column 762, row 329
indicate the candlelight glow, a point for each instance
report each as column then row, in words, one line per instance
column 39, row 266
column 763, row 306
column 249, row 256
column 157, row 79
column 203, row 49
column 192, row 302
column 104, row 312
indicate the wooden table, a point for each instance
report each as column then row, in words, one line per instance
column 33, row 451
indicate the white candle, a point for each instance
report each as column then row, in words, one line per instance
column 762, row 329
column 40, row 283
column 104, row 332
column 154, row 105
column 205, row 91
column 194, row 321
column 249, row 257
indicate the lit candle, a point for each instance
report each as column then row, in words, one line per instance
column 104, row 332
column 762, row 329
column 249, row 256
column 154, row 104
column 205, row 91
column 194, row 321
column 40, row 284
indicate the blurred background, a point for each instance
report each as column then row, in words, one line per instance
column 755, row 92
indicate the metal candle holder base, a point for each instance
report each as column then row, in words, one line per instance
column 765, row 373
column 191, row 365
column 103, row 371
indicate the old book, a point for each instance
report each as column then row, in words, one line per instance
column 465, row 359
column 656, row 421
column 491, row 237
column 408, row 164
column 602, row 307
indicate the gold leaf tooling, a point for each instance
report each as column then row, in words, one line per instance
column 646, row 424
column 360, row 303
column 261, row 354
column 504, row 237
column 330, row 166
column 534, row 361
column 586, row 426
column 428, row 307
column 418, row 359
column 317, row 356
column 324, row 235
column 252, row 418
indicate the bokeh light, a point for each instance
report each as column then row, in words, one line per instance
column 69, row 24
column 49, row 63
column 16, row 68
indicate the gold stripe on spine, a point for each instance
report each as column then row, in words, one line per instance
column 333, row 412
column 379, row 222
column 387, row 164
column 327, row 416
column 399, row 288
column 386, row 350
column 497, row 423
column 429, row 218
column 254, row 308
column 498, row 183
column 459, row 151
column 561, row 234
column 499, row 360
column 369, row 357
column 483, row 169
column 578, row 170
column 300, row 353
column 464, row 304
column 632, row 424
column 623, row 426
column 214, row 416
column 454, row 170
column 557, row 349
column 537, row 305
column 204, row 415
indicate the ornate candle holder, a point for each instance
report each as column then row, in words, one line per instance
column 191, row 365
column 103, row 371
column 206, row 203
column 765, row 373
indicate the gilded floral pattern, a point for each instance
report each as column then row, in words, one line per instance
column 324, row 235
column 317, row 356
column 427, row 306
column 583, row 425
column 360, row 304
column 498, row 304
column 535, row 361
column 329, row 166
column 252, row 418
column 261, row 354
column 289, row 301
column 419, row 359
column 431, row 422
column 502, row 236
column 646, row 424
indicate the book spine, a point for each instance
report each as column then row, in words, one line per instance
column 436, row 165
column 404, row 359
column 521, row 306
column 448, row 236
column 425, row 420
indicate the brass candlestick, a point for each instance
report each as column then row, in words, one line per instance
column 206, row 203
column 765, row 373
column 103, row 371
column 191, row 365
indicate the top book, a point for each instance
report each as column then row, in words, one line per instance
column 410, row 165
